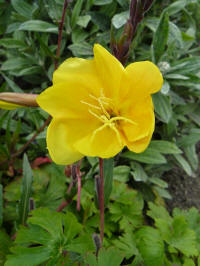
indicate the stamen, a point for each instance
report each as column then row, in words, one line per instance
column 91, row 105
column 103, row 109
column 98, row 129
column 97, row 116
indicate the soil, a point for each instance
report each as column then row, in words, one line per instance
column 184, row 189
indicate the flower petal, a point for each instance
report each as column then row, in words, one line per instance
column 73, row 82
column 60, row 149
column 110, row 70
column 139, row 80
column 143, row 115
column 140, row 145
column 105, row 144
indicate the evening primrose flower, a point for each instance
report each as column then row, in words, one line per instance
column 99, row 107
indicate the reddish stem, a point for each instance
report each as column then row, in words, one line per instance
column 101, row 203
column 79, row 184
column 63, row 205
column 60, row 32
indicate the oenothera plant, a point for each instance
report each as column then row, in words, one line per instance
column 98, row 106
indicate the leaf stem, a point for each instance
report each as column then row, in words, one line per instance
column 101, row 200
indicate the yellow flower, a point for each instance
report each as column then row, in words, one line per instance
column 98, row 107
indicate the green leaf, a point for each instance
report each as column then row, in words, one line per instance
column 182, row 162
column 15, row 64
column 56, row 233
column 156, row 212
column 71, row 225
column 121, row 173
column 81, row 49
column 23, row 8
column 5, row 244
column 1, row 205
column 191, row 154
column 26, row 190
column 28, row 256
column 176, row 7
column 127, row 244
column 149, row 156
column 186, row 65
column 102, row 2
column 151, row 246
column 165, row 147
column 162, row 107
column 138, row 172
column 111, row 257
column 48, row 220
column 83, row 20
column 160, row 37
column 108, row 165
column 120, row 19
column 39, row 26
column 76, row 12
column 12, row 43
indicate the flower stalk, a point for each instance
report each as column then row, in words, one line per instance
column 101, row 200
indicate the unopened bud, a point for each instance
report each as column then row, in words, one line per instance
column 12, row 100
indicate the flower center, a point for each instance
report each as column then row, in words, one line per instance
column 104, row 110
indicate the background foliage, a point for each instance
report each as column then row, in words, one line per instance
column 138, row 228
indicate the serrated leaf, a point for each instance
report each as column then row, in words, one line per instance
column 26, row 191
column 44, row 218
column 72, row 227
column 151, row 246
column 39, row 26
column 127, row 244
column 165, row 147
column 149, row 156
column 27, row 256
column 160, row 37
column 156, row 212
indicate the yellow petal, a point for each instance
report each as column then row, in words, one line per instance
column 109, row 69
column 59, row 147
column 139, row 80
column 143, row 115
column 140, row 145
column 9, row 106
column 73, row 82
column 79, row 70
column 104, row 144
